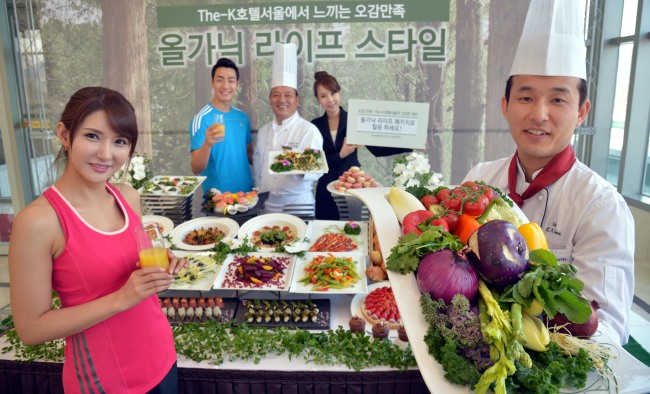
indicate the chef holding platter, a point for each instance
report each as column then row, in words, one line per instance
column 288, row 130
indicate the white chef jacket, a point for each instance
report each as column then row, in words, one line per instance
column 587, row 223
column 294, row 132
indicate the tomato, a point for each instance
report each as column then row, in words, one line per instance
column 488, row 192
column 452, row 220
column 471, row 185
column 443, row 194
column 440, row 222
column 411, row 221
column 476, row 206
column 428, row 200
column 458, row 191
column 453, row 203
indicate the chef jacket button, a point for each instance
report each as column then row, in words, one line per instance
column 541, row 197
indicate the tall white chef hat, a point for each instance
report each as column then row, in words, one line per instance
column 552, row 42
column 285, row 65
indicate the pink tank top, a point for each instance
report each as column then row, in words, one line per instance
column 130, row 352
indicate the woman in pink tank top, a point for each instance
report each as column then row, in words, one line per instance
column 78, row 239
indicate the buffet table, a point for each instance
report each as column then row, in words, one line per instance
column 274, row 374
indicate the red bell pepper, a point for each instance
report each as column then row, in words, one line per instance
column 411, row 221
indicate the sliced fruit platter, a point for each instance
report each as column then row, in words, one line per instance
column 171, row 185
column 229, row 203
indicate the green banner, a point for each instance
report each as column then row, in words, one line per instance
column 304, row 12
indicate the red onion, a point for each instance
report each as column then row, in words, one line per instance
column 444, row 273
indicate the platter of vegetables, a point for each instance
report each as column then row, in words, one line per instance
column 330, row 273
column 309, row 161
column 488, row 301
column 256, row 271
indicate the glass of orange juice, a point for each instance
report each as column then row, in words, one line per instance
column 151, row 247
column 221, row 125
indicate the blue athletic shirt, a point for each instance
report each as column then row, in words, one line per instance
column 228, row 168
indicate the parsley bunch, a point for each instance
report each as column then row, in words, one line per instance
column 215, row 342
column 406, row 255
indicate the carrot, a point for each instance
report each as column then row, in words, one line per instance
column 467, row 224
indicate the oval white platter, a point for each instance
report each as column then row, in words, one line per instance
column 297, row 225
column 166, row 225
column 228, row 226
column 632, row 376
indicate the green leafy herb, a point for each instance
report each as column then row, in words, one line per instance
column 216, row 343
column 222, row 250
column 419, row 191
column 553, row 285
column 351, row 228
column 406, row 255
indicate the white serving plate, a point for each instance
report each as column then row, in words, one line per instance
column 298, row 226
column 203, row 284
column 194, row 181
column 228, row 226
column 332, row 189
column 322, row 162
column 359, row 299
column 360, row 287
column 166, row 225
column 229, row 266
column 316, row 228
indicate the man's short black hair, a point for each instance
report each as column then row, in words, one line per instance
column 227, row 63
column 582, row 89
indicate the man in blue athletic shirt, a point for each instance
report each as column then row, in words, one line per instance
column 224, row 157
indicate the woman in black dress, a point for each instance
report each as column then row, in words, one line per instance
column 340, row 155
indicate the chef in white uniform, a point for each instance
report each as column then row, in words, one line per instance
column 586, row 221
column 288, row 129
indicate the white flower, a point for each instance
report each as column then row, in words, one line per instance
column 138, row 167
column 297, row 247
column 233, row 243
column 139, row 175
column 137, row 160
column 412, row 182
column 399, row 168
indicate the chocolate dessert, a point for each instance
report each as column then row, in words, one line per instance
column 357, row 324
column 380, row 331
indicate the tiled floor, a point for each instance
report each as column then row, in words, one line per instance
column 639, row 325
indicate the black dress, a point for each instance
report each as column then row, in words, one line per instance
column 326, row 208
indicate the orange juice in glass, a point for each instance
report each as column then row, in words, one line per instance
column 151, row 247
column 220, row 125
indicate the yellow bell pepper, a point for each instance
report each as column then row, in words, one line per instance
column 534, row 236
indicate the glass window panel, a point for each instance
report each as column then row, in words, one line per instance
column 619, row 114
column 628, row 27
column 646, row 177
